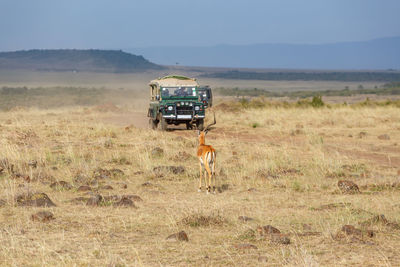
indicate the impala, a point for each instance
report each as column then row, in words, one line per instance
column 207, row 157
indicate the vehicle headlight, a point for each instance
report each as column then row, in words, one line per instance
column 191, row 104
column 196, row 108
column 178, row 105
column 170, row 108
column 187, row 103
column 182, row 103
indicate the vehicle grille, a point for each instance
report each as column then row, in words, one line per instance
column 184, row 110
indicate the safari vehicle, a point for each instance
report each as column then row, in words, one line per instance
column 175, row 100
column 205, row 94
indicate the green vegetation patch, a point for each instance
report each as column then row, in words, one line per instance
column 387, row 89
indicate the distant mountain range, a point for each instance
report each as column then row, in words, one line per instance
column 379, row 54
column 75, row 60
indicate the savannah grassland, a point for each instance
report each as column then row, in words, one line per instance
column 276, row 164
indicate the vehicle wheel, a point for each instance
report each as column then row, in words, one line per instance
column 200, row 124
column 189, row 126
column 162, row 125
column 153, row 124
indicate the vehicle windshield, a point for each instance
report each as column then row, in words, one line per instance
column 178, row 91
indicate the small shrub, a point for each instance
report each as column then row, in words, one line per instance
column 303, row 103
column 199, row 220
column 296, row 186
column 317, row 102
column 122, row 160
column 249, row 234
column 244, row 102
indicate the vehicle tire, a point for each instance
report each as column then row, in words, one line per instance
column 162, row 125
column 153, row 124
column 189, row 126
column 200, row 125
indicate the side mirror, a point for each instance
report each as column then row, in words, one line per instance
column 157, row 97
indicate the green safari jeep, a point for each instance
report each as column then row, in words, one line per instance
column 175, row 100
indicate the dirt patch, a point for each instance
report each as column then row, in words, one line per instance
column 84, row 188
column 34, row 199
column 106, row 187
column 181, row 236
column 124, row 202
column 350, row 233
column 267, row 230
column 114, row 200
column 332, row 206
column 61, row 185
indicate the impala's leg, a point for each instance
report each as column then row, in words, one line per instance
column 209, row 178
column 205, row 178
column 213, row 171
column 200, row 176
column 206, row 164
column 213, row 174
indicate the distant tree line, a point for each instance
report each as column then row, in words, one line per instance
column 307, row 76
column 76, row 60
column 388, row 89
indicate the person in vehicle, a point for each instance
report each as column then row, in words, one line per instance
column 180, row 92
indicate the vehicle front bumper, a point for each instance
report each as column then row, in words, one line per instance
column 182, row 117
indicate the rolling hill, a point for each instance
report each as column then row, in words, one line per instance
column 75, row 60
column 375, row 54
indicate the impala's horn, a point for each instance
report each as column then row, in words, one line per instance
column 208, row 126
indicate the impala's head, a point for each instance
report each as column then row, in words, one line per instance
column 202, row 134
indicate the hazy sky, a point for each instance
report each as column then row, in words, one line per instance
column 119, row 24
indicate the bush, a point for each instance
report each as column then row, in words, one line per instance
column 317, row 102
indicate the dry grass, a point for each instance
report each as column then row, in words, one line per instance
column 291, row 162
